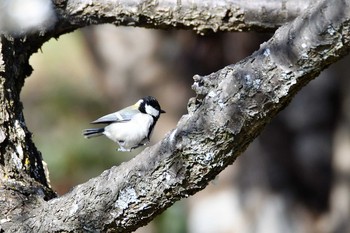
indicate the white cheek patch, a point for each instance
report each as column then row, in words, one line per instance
column 152, row 111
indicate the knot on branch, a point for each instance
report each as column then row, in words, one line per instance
column 202, row 86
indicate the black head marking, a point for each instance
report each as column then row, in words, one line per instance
column 150, row 105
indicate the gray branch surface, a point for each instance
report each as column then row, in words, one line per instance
column 231, row 108
column 200, row 16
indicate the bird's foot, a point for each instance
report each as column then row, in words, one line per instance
column 122, row 149
column 139, row 145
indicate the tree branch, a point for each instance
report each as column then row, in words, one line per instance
column 230, row 110
column 200, row 16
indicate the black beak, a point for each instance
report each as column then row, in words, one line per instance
column 162, row 111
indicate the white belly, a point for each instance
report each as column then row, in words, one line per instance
column 131, row 133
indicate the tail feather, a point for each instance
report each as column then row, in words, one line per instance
column 89, row 133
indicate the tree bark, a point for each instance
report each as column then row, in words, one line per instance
column 22, row 170
column 200, row 16
column 231, row 108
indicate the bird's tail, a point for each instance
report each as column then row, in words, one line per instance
column 89, row 133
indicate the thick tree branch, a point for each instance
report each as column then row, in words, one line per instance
column 230, row 110
column 200, row 16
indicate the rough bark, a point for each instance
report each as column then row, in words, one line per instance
column 230, row 110
column 200, row 16
column 22, row 170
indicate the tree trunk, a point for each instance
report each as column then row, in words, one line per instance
column 22, row 170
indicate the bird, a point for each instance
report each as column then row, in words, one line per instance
column 130, row 127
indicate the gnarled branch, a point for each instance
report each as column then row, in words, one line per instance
column 230, row 110
column 200, row 16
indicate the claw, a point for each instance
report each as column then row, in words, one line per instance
column 123, row 149
column 132, row 148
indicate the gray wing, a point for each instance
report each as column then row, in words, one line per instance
column 123, row 115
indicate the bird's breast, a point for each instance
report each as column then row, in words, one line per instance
column 132, row 132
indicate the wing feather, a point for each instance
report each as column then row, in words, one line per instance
column 123, row 115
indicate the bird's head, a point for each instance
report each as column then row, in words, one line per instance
column 150, row 106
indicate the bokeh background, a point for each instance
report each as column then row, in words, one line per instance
column 294, row 178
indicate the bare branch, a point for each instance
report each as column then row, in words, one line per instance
column 200, row 16
column 230, row 110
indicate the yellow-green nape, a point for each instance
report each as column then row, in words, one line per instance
column 138, row 103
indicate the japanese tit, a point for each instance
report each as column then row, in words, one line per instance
column 130, row 127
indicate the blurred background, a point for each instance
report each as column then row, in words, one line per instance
column 294, row 178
